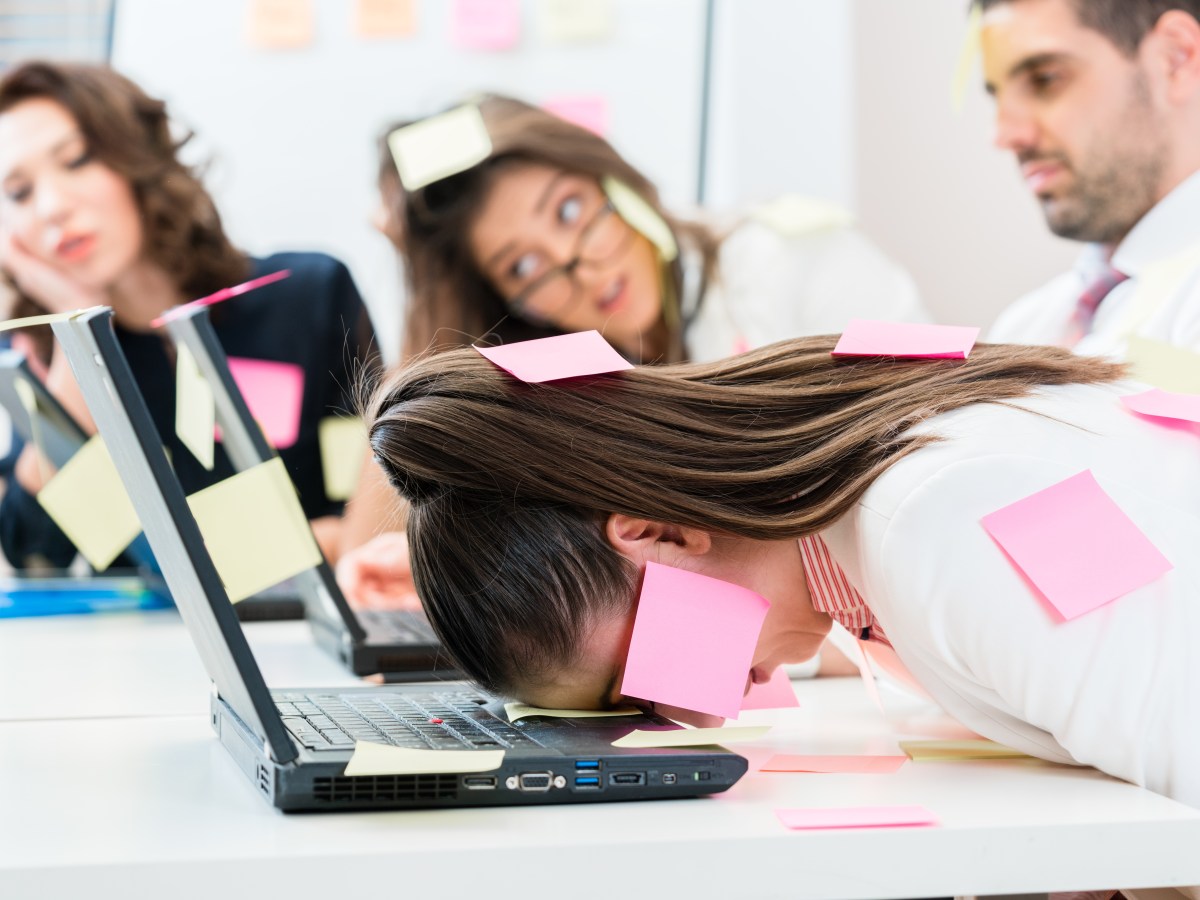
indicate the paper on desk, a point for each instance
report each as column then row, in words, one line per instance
column 959, row 750
column 1163, row 365
column 280, row 24
column 794, row 215
column 87, row 500
column 856, row 817
column 693, row 641
column 1075, row 545
column 692, row 737
column 1165, row 404
column 486, row 24
column 516, row 711
column 439, row 146
column 195, row 409
column 574, row 21
column 590, row 112
column 972, row 46
column 343, row 441
column 274, row 391
column 255, row 529
column 841, row 765
column 641, row 217
column 907, row 340
column 554, row 358
column 775, row 694
column 381, row 759
column 385, row 18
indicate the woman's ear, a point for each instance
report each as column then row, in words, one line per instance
column 644, row 540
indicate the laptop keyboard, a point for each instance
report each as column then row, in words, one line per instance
column 438, row 720
column 393, row 627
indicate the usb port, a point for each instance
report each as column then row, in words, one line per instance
column 668, row 777
column 479, row 782
column 627, row 778
column 587, row 782
column 587, row 765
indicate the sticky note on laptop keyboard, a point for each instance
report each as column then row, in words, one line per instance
column 865, row 337
column 382, row 759
column 554, row 358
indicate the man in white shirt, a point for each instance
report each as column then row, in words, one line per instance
column 1099, row 100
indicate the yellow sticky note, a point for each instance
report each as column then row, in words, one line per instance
column 382, row 759
column 574, row 21
column 385, row 18
column 955, row 750
column 795, row 216
column 343, row 443
column 641, row 217
column 255, row 529
column 692, row 737
column 195, row 410
column 46, row 319
column 280, row 24
column 969, row 52
column 516, row 711
column 87, row 500
column 29, row 402
column 1163, row 365
column 440, row 146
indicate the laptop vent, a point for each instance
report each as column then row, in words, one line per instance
column 385, row 788
column 264, row 780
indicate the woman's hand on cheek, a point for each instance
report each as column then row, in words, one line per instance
column 48, row 286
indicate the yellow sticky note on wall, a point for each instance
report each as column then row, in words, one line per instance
column 87, row 500
column 972, row 46
column 440, row 146
column 793, row 215
column 195, row 409
column 574, row 21
column 381, row 759
column 280, row 24
column 255, row 529
column 1163, row 365
column 385, row 18
column 343, row 445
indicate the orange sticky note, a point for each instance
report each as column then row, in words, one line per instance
column 280, row 24
column 839, row 765
column 856, row 817
column 554, row 358
column 385, row 18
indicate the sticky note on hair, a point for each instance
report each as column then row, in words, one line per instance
column 516, row 711
column 777, row 693
column 1164, row 405
column 641, row 216
column 692, row 737
column 856, row 817
column 835, row 765
column 343, row 441
column 554, row 358
column 439, row 146
column 274, row 391
column 793, row 215
column 1075, row 545
column 382, row 759
column 486, row 24
column 590, row 112
column 906, row 340
column 87, row 500
column 693, row 641
column 195, row 409
column 255, row 529
column 959, row 750
column 575, row 21
column 1164, row 365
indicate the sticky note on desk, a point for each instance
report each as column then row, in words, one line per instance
column 906, row 340
column 195, row 408
column 1165, row 405
column 1075, row 545
column 839, row 765
column 692, row 737
column 439, row 146
column 857, row 817
column 382, row 759
column 777, row 693
column 1163, row 365
column 87, row 500
column 554, row 358
column 343, row 442
column 274, row 391
column 516, row 711
column 486, row 24
column 959, row 750
column 255, row 529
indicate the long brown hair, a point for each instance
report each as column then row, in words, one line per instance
column 510, row 483
column 450, row 303
column 129, row 132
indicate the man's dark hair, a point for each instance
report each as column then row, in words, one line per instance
column 1124, row 22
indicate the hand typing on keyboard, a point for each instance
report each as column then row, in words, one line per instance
column 377, row 574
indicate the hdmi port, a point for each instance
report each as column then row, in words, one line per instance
column 480, row 782
column 627, row 778
column 535, row 781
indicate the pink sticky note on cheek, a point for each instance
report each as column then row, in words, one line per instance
column 1075, row 545
column 865, row 337
column 857, row 817
column 554, row 358
column 587, row 112
column 774, row 694
column 486, row 24
column 693, row 641
column 274, row 391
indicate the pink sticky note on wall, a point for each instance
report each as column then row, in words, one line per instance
column 486, row 24
column 857, row 817
column 562, row 356
column 587, row 112
column 693, row 641
column 1165, row 404
column 1075, row 545
column 866, row 337
column 274, row 392
column 835, row 765
column 774, row 694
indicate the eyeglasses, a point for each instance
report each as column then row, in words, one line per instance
column 605, row 237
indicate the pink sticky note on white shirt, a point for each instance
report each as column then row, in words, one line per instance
column 274, row 392
column 693, row 641
column 486, row 24
column 777, row 693
column 590, row 112
column 835, row 765
column 1076, row 546
column 866, row 337
column 554, row 358
column 1165, row 405
column 856, row 817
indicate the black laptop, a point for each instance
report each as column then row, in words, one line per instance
column 397, row 643
column 294, row 745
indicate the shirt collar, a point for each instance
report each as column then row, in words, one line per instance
column 1169, row 228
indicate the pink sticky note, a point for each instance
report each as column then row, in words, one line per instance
column 857, row 817
column 587, row 112
column 274, row 392
column 1165, row 404
column 838, row 765
column 486, row 24
column 774, row 694
column 562, row 356
column 865, row 337
column 224, row 294
column 1075, row 545
column 693, row 641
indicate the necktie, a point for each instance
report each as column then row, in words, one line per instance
column 1087, row 304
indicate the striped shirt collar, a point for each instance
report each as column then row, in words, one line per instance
column 832, row 592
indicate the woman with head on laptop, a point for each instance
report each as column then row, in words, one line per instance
column 97, row 208
column 849, row 490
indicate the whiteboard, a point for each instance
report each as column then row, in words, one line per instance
column 291, row 133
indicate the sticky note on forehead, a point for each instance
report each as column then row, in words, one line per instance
column 1075, row 545
column 693, row 641
column 554, row 358
column 439, row 146
column 906, row 340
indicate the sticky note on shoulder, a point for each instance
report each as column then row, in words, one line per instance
column 1164, row 405
column 1163, row 365
column 1075, row 545
column 555, row 358
column 439, row 146
column 906, row 340
column 383, row 759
